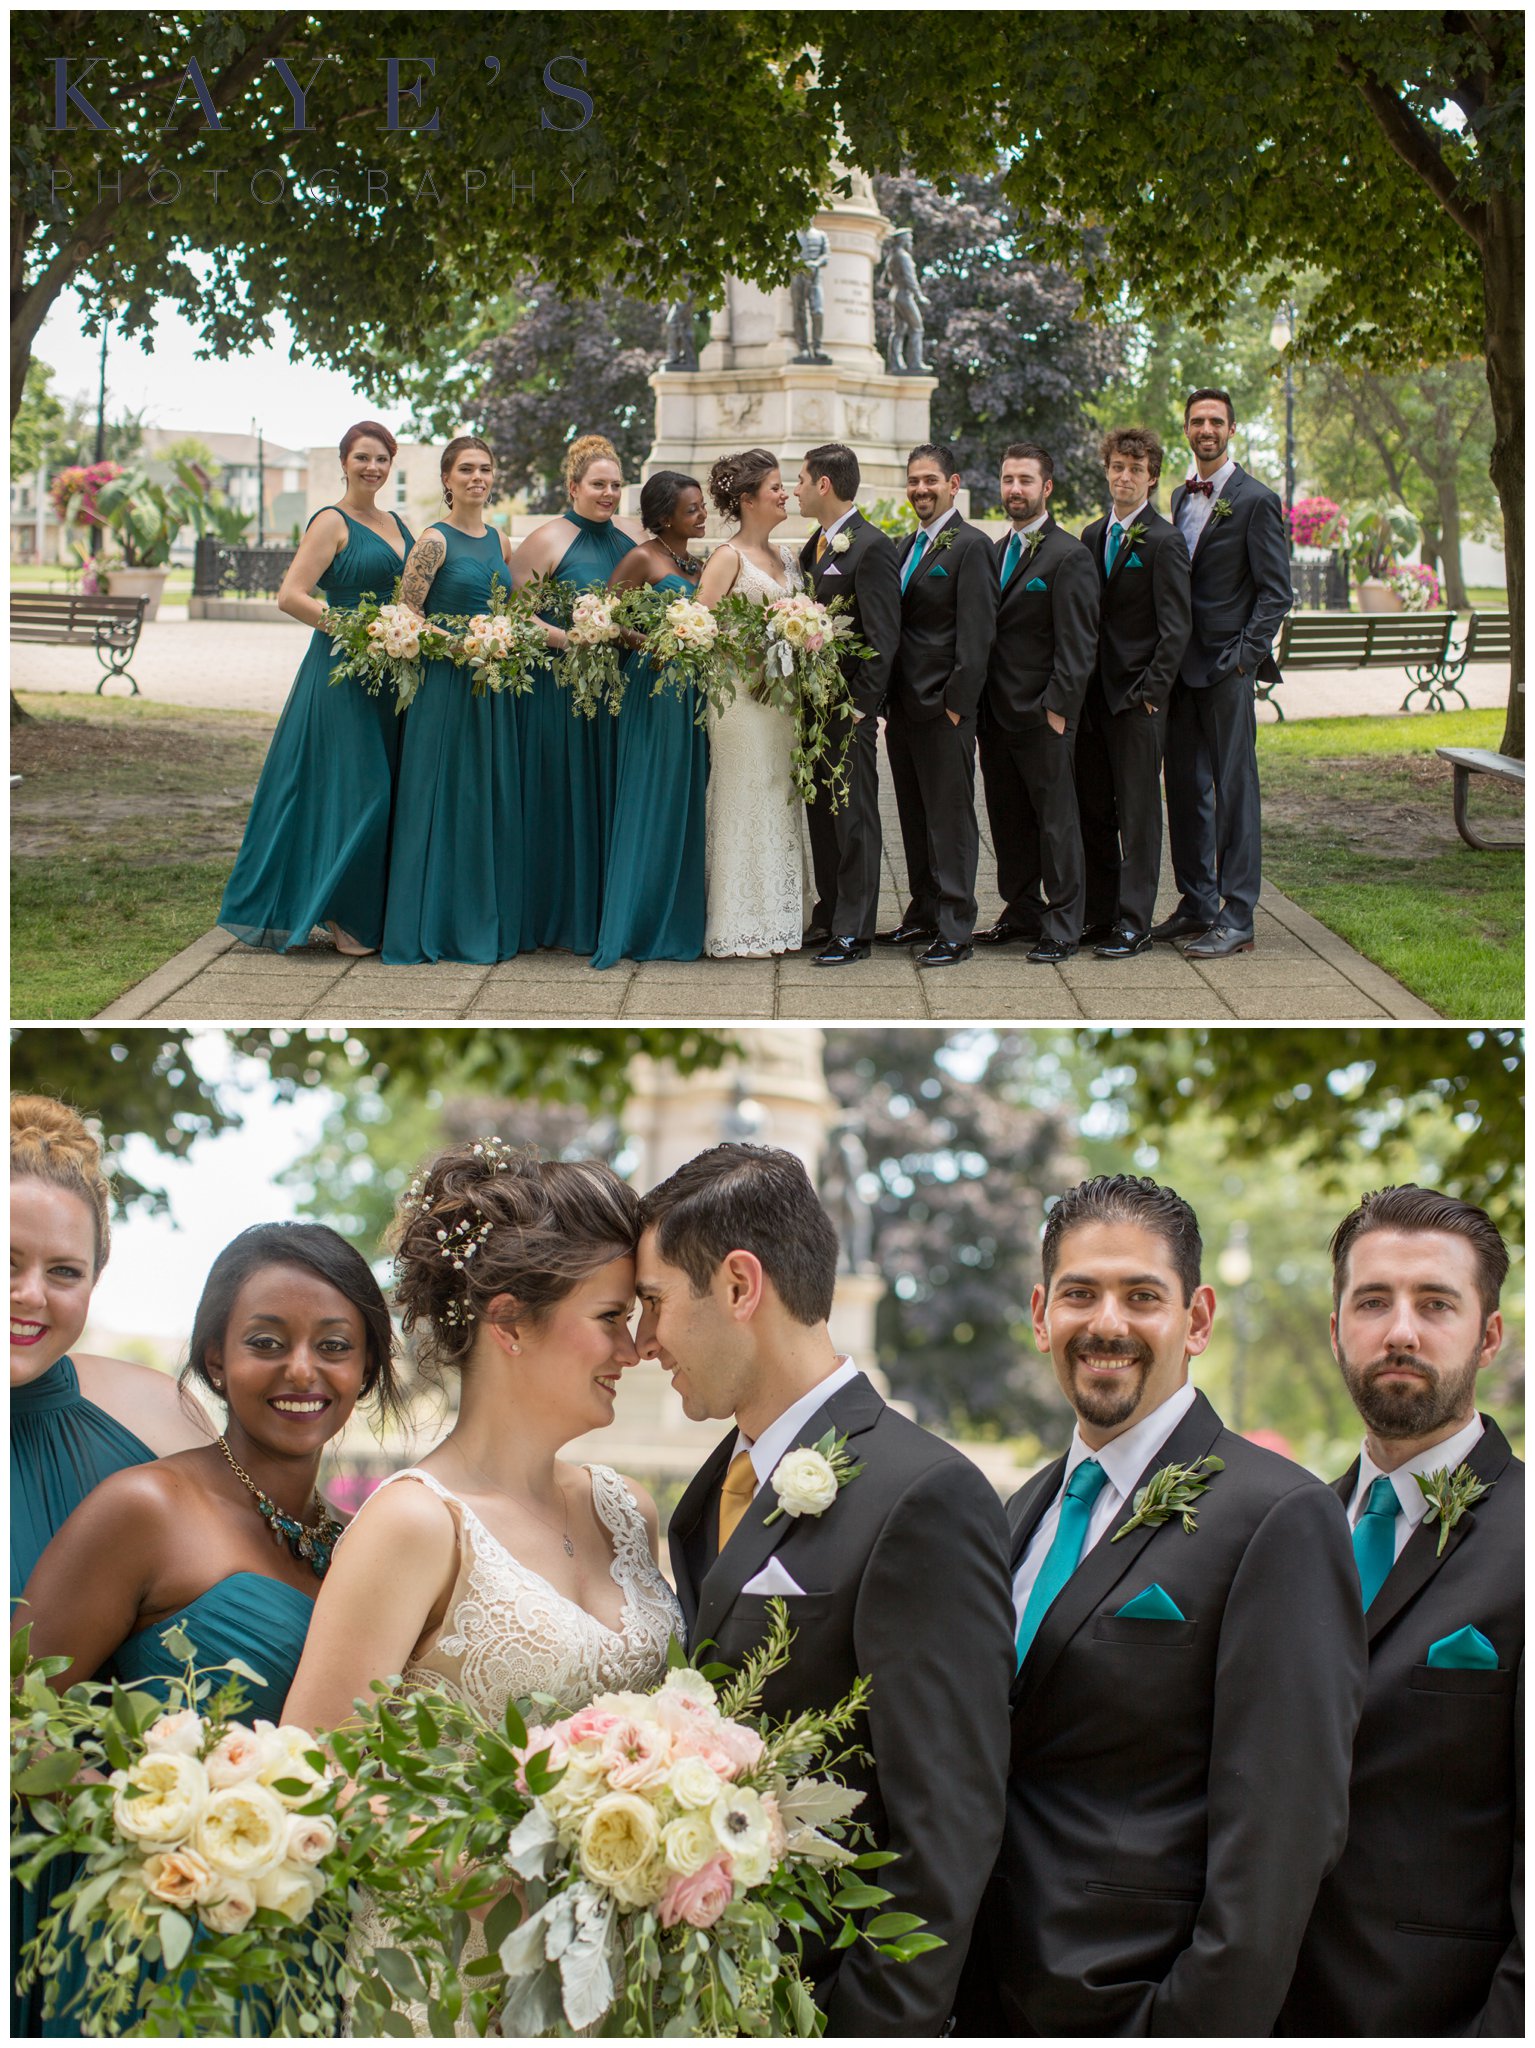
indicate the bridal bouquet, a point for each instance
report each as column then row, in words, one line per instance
column 502, row 647
column 797, row 645
column 383, row 645
column 590, row 665
column 682, row 643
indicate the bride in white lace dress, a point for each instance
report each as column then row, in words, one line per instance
column 494, row 1569
column 754, row 862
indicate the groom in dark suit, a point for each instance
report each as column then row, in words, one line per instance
column 1235, row 531
column 848, row 557
column 902, row 1576
column 1186, row 1698
column 1420, row 1928
column 948, row 622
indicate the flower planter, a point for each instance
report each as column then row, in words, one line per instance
column 148, row 583
column 1376, row 596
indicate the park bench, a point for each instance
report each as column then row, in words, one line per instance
column 1469, row 761
column 1420, row 642
column 61, row 618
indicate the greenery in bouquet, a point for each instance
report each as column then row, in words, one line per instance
column 682, row 643
column 796, row 647
column 502, row 647
column 382, row 646
column 590, row 665
column 1416, row 585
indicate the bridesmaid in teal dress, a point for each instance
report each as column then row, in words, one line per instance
column 456, row 852
column 317, row 838
column 230, row 1541
column 569, row 763
column 73, row 1420
column 653, row 896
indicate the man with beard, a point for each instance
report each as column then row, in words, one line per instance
column 1419, row 1929
column 1191, row 1668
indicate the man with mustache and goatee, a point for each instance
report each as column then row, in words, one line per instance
column 1420, row 1928
column 1191, row 1669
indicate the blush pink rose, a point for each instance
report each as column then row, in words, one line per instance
column 539, row 1740
column 701, row 1898
column 590, row 1724
column 635, row 1755
column 743, row 1745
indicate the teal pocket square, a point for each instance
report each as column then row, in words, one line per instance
column 939, row 569
column 1135, row 562
column 1152, row 1605
column 1467, row 1650
column 1036, row 583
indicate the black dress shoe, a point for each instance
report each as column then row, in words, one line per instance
column 946, row 953
column 1050, row 953
column 906, row 935
column 1181, row 925
column 840, row 951
column 1219, row 943
column 1099, row 934
column 817, row 935
column 1124, row 945
column 1003, row 934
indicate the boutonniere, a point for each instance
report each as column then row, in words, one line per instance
column 1032, row 542
column 945, row 539
column 840, row 543
column 1172, row 1491
column 1449, row 1496
column 1136, row 532
column 1222, row 509
column 808, row 1481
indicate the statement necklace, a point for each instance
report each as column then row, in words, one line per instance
column 687, row 565
column 313, row 1543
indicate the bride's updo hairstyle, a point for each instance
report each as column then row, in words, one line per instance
column 582, row 453
column 50, row 1143
column 483, row 1220
column 735, row 477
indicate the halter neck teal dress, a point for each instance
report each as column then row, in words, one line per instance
column 317, row 839
column 62, row 1445
column 456, row 854
column 569, row 767
column 653, row 893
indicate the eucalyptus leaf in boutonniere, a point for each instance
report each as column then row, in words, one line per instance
column 1172, row 1491
column 808, row 1481
column 1222, row 509
column 1449, row 1496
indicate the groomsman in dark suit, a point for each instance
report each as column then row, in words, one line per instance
column 901, row 1577
column 948, row 621
column 1186, row 1699
column 1235, row 531
column 1420, row 1928
column 1143, row 626
column 1041, row 659
column 850, row 558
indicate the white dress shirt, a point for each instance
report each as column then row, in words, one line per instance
column 838, row 523
column 1123, row 1459
column 1127, row 522
column 1194, row 512
column 779, row 1436
column 941, row 521
column 1437, row 1458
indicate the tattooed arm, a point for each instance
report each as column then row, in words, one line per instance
column 421, row 566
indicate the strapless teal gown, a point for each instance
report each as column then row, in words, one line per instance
column 455, row 859
column 262, row 1621
column 653, row 892
column 317, row 839
column 62, row 1445
column 569, row 769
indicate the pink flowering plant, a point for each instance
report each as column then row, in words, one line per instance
column 1416, row 585
column 74, row 492
column 1318, row 523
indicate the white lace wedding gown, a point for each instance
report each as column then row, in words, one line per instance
column 754, row 862
column 508, row 1633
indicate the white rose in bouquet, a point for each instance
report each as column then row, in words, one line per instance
column 243, row 1831
column 688, row 1843
column 804, row 1482
column 289, row 1760
column 692, row 1783
column 239, row 1754
column 230, row 1908
column 311, row 1837
column 167, row 1794
column 618, row 1839
column 288, row 1891
column 182, row 1732
column 178, row 1876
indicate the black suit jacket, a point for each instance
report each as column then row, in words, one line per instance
column 1144, row 618
column 905, row 1579
column 1047, row 639
column 1241, row 585
column 1420, row 1928
column 869, row 574
column 948, row 622
column 1178, row 1789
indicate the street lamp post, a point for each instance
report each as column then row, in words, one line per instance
column 101, row 424
column 1280, row 336
column 260, row 485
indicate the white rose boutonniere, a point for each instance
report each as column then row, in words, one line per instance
column 840, row 543
column 807, row 1481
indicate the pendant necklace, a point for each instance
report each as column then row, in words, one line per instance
column 486, row 1480
column 313, row 1543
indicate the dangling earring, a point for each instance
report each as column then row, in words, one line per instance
column 447, row 497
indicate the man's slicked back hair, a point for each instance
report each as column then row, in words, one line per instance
column 1127, row 1198
column 748, row 1198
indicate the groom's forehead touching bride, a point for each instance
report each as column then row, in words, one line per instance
column 1120, row 1310
column 735, row 1271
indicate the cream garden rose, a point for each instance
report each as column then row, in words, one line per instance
column 688, row 1843
column 804, row 1483
column 230, row 1908
column 182, row 1732
column 238, row 1755
column 287, row 1760
column 288, row 1891
column 692, row 1783
column 178, row 1876
column 311, row 1837
column 618, row 1838
column 159, row 1798
column 243, row 1831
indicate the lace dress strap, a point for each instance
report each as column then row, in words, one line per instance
column 619, row 1513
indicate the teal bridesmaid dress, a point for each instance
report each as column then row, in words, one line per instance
column 569, row 770
column 456, row 853
column 317, row 838
column 62, row 1445
column 653, row 892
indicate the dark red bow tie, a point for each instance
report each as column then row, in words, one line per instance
column 1204, row 486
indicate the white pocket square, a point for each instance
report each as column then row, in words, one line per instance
column 772, row 1579
column 831, row 569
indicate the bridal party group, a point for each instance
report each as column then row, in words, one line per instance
column 1082, row 673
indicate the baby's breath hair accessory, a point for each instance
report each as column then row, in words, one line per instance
column 459, row 1245
column 496, row 1153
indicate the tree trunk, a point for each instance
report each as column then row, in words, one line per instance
column 1449, row 544
column 1503, row 293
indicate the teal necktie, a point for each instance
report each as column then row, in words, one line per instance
column 1065, row 1553
column 1375, row 1538
column 1010, row 559
column 1116, row 535
column 913, row 559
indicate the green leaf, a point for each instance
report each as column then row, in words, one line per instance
column 399, row 1972
column 845, row 1935
column 676, row 1656
column 51, row 1774
column 872, row 1859
column 913, row 1945
column 515, row 1726
column 178, row 1643
column 175, row 1937
column 886, row 1925
column 850, row 1895
column 503, row 1916
column 241, row 1669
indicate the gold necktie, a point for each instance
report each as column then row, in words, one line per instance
column 736, row 1495
column 822, row 544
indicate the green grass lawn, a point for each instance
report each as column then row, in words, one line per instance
column 1358, row 829
column 56, row 576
